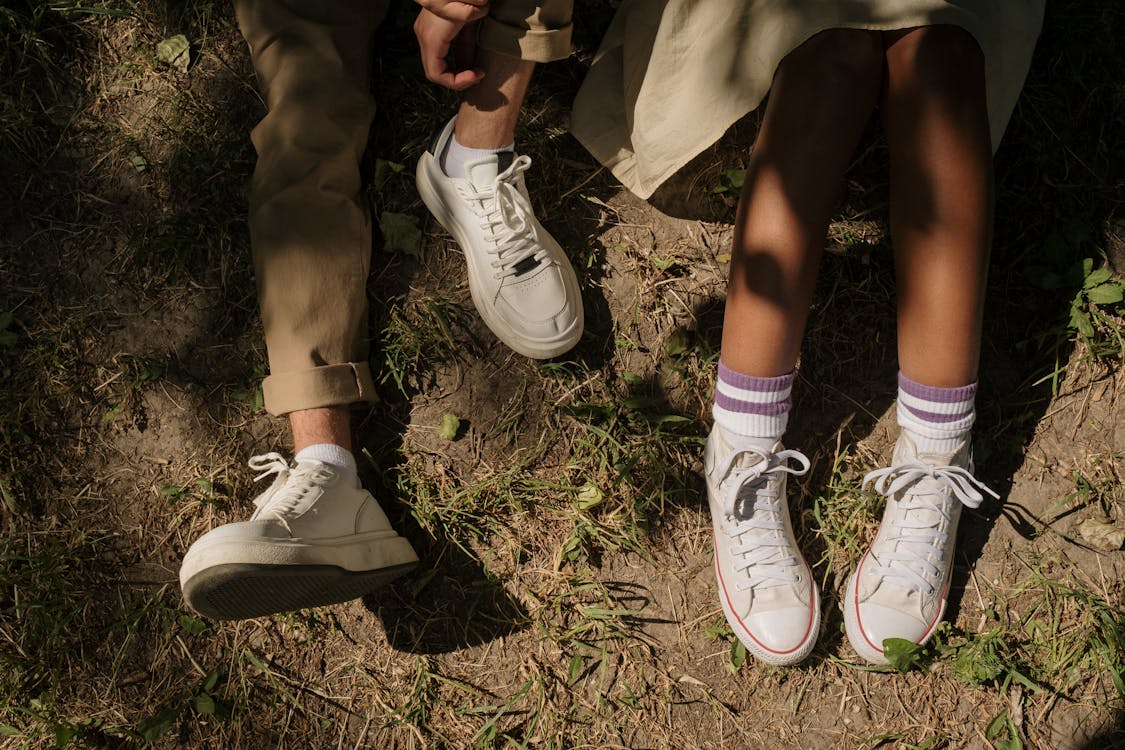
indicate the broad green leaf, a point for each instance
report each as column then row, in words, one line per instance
column 64, row 735
column 204, row 704
column 737, row 654
column 1094, row 278
column 1080, row 322
column 401, row 233
column 1105, row 294
column 730, row 181
column 902, row 654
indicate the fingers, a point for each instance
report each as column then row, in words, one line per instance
column 435, row 36
column 461, row 80
column 461, row 11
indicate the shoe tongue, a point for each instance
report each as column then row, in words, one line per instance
column 906, row 452
column 483, row 172
column 747, row 460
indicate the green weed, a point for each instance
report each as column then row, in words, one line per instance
column 633, row 451
column 414, row 331
column 844, row 515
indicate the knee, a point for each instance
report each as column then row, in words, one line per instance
column 939, row 58
column 843, row 58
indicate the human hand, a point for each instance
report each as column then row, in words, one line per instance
column 437, row 34
column 462, row 11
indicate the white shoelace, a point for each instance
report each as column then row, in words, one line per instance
column 297, row 483
column 505, row 215
column 917, row 541
column 753, row 507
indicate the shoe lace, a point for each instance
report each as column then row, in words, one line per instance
column 915, row 538
column 297, row 482
column 753, row 507
column 506, row 217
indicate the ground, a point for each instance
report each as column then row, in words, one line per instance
column 565, row 596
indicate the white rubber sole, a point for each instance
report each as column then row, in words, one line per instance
column 528, row 347
column 230, row 578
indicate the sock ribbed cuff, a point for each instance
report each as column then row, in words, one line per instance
column 454, row 157
column 752, row 406
column 937, row 418
column 334, row 455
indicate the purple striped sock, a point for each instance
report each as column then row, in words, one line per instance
column 938, row 419
column 751, row 406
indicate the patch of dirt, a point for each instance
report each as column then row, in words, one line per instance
column 131, row 408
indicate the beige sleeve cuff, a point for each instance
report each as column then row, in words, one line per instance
column 527, row 44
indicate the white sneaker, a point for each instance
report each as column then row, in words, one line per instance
column 765, row 586
column 521, row 280
column 901, row 585
column 313, row 540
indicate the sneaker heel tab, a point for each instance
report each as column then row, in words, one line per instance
column 435, row 139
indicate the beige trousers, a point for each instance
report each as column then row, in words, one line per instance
column 310, row 233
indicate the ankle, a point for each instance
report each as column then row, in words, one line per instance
column 485, row 129
column 456, row 157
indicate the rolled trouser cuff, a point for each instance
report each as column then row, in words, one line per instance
column 318, row 387
column 536, row 45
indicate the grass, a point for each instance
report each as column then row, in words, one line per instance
column 565, row 597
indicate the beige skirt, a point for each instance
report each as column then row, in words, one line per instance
column 672, row 75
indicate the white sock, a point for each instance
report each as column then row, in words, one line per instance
column 454, row 157
column 752, row 411
column 937, row 419
column 335, row 456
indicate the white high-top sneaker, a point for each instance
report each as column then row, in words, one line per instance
column 765, row 586
column 901, row 586
column 313, row 540
column 521, row 280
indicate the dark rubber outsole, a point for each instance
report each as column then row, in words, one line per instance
column 239, row 591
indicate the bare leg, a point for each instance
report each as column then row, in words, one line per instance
column 314, row 426
column 822, row 96
column 488, row 114
column 941, row 199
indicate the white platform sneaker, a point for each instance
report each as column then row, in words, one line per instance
column 521, row 281
column 901, row 586
column 314, row 539
column 765, row 586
